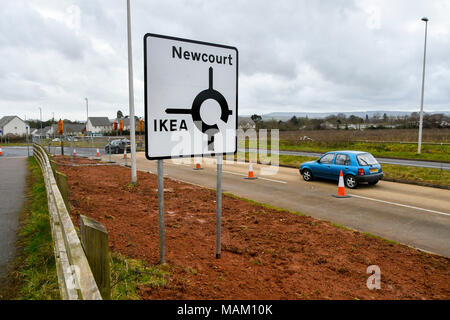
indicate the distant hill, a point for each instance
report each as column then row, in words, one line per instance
column 321, row 115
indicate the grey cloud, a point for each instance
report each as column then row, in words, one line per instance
column 294, row 55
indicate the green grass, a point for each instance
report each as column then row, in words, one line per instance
column 15, row 144
column 129, row 274
column 36, row 277
column 391, row 150
column 414, row 174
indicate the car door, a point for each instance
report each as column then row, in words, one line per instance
column 323, row 167
column 341, row 162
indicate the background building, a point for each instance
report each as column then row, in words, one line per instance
column 98, row 125
column 12, row 125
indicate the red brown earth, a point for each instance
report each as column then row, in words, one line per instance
column 266, row 253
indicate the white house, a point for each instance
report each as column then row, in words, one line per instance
column 98, row 124
column 72, row 129
column 126, row 123
column 44, row 133
column 12, row 125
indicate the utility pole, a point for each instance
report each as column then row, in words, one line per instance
column 131, row 99
column 87, row 112
column 40, row 117
column 419, row 147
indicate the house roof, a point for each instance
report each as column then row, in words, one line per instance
column 43, row 131
column 70, row 127
column 126, row 121
column 6, row 119
column 100, row 121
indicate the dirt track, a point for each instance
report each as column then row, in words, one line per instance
column 267, row 254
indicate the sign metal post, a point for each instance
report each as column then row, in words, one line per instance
column 162, row 254
column 219, row 207
column 28, row 143
column 109, row 149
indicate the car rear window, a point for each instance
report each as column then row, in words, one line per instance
column 366, row 159
column 342, row 159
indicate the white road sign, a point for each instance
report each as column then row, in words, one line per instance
column 191, row 97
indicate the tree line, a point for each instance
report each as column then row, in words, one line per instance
column 341, row 121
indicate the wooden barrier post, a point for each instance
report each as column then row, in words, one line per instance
column 94, row 239
column 54, row 165
column 61, row 181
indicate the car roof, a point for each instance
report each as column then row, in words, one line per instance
column 347, row 151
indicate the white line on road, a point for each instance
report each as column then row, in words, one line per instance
column 401, row 205
column 19, row 157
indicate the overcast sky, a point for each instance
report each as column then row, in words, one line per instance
column 303, row 56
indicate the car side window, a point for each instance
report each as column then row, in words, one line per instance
column 326, row 159
column 342, row 159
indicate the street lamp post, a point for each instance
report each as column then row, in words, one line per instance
column 131, row 98
column 419, row 147
column 87, row 111
column 40, row 117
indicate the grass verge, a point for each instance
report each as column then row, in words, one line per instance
column 390, row 150
column 128, row 275
column 35, row 276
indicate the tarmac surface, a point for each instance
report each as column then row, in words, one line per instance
column 12, row 185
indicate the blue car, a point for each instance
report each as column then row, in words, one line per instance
column 356, row 166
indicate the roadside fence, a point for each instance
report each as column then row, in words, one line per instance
column 82, row 266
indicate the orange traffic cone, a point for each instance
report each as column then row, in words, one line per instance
column 198, row 166
column 341, row 188
column 98, row 153
column 74, row 152
column 251, row 175
column 125, row 153
column 1, row 152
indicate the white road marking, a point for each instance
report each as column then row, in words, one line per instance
column 401, row 205
column 18, row 157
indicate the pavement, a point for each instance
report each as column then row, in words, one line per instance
column 413, row 215
column 12, row 185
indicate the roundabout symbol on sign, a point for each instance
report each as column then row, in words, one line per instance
column 204, row 95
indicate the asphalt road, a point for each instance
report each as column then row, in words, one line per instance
column 12, row 185
column 409, row 163
column 414, row 215
column 91, row 152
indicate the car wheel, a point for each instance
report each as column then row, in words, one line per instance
column 307, row 175
column 372, row 183
column 350, row 181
